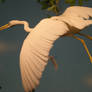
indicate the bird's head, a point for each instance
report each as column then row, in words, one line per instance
column 13, row 22
column 17, row 22
column 10, row 24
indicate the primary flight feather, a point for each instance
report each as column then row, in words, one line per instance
column 34, row 53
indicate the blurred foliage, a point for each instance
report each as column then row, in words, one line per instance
column 53, row 5
column 2, row 1
column 50, row 5
column 0, row 87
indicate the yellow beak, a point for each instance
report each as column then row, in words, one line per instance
column 4, row 27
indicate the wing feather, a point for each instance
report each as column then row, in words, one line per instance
column 36, row 50
column 76, row 16
column 39, row 63
column 29, row 83
column 32, row 65
column 34, row 69
column 24, row 78
column 40, row 60
column 79, row 11
column 30, row 74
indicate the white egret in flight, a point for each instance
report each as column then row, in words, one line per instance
column 34, row 54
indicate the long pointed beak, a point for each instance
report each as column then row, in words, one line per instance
column 4, row 27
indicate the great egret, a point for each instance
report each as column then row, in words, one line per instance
column 35, row 50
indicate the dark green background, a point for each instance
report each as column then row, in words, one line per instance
column 73, row 71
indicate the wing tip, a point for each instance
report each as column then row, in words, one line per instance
column 32, row 90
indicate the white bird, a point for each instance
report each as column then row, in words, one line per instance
column 34, row 54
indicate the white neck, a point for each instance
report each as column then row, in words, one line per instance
column 25, row 23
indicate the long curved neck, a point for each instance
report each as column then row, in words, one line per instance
column 25, row 23
column 26, row 26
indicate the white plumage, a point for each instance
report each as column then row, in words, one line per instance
column 35, row 50
column 36, row 47
column 77, row 16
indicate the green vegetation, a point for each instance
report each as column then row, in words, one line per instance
column 53, row 5
column 2, row 1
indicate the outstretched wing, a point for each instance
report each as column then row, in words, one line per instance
column 32, row 64
column 35, row 51
column 77, row 16
column 79, row 11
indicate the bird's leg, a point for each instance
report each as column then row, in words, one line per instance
column 85, row 46
column 87, row 36
column 54, row 62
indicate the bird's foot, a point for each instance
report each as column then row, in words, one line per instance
column 54, row 62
